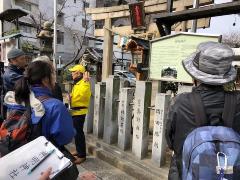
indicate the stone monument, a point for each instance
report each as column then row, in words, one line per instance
column 46, row 40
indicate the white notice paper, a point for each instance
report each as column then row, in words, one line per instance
column 17, row 164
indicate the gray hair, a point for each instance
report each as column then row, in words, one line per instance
column 42, row 58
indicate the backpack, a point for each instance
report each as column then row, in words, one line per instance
column 212, row 152
column 17, row 129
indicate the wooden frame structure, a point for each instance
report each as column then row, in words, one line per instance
column 166, row 20
column 150, row 7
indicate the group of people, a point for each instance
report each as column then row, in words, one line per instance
column 34, row 85
column 208, row 105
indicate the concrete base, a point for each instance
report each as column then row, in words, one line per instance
column 125, row 160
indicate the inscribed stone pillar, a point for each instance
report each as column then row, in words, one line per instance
column 110, row 134
column 159, row 142
column 141, row 118
column 99, row 102
column 89, row 116
column 125, row 118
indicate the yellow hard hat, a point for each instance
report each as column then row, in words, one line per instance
column 79, row 68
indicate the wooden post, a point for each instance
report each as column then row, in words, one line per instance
column 107, row 50
column 194, row 22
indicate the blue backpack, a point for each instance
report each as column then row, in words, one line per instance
column 212, row 152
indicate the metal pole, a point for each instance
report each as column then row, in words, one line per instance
column 169, row 6
column 194, row 22
column 122, row 60
column 55, row 33
column 59, row 61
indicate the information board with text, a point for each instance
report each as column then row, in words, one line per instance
column 167, row 53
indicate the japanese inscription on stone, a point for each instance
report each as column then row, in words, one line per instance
column 159, row 142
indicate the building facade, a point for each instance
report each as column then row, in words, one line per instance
column 71, row 23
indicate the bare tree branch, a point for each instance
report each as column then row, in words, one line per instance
column 80, row 38
column 60, row 10
column 232, row 39
column 75, row 60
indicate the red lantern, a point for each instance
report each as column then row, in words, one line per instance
column 137, row 15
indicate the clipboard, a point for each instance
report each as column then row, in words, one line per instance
column 17, row 164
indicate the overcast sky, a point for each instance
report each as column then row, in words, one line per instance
column 222, row 24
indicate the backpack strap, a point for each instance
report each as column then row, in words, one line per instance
column 198, row 108
column 229, row 109
column 230, row 103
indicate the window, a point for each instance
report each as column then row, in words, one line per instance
column 75, row 1
column 85, row 23
column 74, row 19
column 74, row 40
column 86, row 41
column 85, row 5
column 99, row 24
column 60, row 1
column 60, row 37
column 26, row 29
column 24, row 5
column 60, row 19
column 98, row 43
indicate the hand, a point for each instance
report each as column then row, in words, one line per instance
column 45, row 175
column 86, row 76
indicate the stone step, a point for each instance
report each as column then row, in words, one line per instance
column 125, row 160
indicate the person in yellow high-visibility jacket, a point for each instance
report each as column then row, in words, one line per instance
column 79, row 102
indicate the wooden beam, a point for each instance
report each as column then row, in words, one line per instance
column 202, row 12
column 121, row 8
column 123, row 11
column 146, row 4
column 127, row 30
column 110, row 15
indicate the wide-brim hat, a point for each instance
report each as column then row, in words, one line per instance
column 211, row 64
column 79, row 68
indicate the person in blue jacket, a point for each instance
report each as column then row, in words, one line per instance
column 57, row 124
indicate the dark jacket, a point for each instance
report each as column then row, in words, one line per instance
column 10, row 76
column 181, row 120
column 57, row 92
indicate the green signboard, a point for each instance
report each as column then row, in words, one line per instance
column 168, row 52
